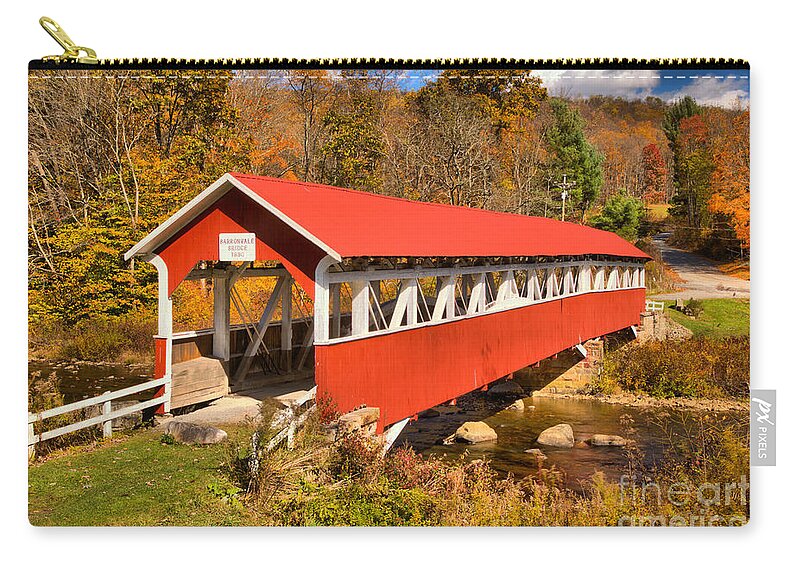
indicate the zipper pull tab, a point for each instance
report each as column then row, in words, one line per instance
column 72, row 52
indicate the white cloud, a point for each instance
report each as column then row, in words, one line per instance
column 629, row 84
column 725, row 92
column 719, row 90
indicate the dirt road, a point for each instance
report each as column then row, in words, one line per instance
column 703, row 279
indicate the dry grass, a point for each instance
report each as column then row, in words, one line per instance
column 739, row 268
column 657, row 212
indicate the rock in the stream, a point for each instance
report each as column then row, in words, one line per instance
column 537, row 453
column 475, row 432
column 431, row 413
column 557, row 436
column 600, row 439
column 186, row 432
column 518, row 405
column 507, row 388
column 446, row 410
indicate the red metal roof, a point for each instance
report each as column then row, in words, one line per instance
column 355, row 223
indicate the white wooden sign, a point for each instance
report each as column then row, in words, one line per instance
column 237, row 247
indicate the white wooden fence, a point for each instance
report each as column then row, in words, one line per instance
column 294, row 420
column 106, row 416
column 654, row 306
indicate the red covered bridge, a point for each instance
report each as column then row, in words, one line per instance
column 414, row 303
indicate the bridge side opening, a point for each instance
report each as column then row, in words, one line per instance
column 259, row 331
column 382, row 296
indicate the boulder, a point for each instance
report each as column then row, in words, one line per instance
column 518, row 405
column 507, row 388
column 537, row 453
column 190, row 433
column 557, row 436
column 475, row 432
column 600, row 439
column 358, row 419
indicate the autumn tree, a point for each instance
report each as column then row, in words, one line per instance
column 620, row 129
column 110, row 158
column 264, row 117
column 730, row 180
column 510, row 95
column 314, row 93
column 675, row 113
column 654, row 174
column 354, row 147
column 524, row 157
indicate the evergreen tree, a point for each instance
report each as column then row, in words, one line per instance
column 573, row 156
column 622, row 214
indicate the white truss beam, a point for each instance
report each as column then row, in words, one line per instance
column 477, row 298
column 360, row 314
column 336, row 309
column 599, row 283
column 445, row 299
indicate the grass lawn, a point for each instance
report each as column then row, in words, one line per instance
column 720, row 318
column 135, row 480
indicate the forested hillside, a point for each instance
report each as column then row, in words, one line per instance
column 110, row 157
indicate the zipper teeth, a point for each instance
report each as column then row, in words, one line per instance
column 380, row 63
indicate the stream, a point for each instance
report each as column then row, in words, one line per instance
column 81, row 380
column 517, row 430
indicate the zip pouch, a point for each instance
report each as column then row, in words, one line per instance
column 388, row 292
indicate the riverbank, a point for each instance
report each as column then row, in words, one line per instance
column 144, row 479
column 714, row 405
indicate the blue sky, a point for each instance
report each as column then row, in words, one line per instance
column 724, row 88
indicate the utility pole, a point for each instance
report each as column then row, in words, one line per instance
column 564, row 193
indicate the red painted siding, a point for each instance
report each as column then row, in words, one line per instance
column 409, row 371
column 235, row 213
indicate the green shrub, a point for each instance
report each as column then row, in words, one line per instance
column 622, row 214
column 693, row 308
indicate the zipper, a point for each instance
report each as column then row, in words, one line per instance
column 72, row 52
column 72, row 59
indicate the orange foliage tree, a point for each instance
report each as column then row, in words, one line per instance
column 654, row 174
column 730, row 181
